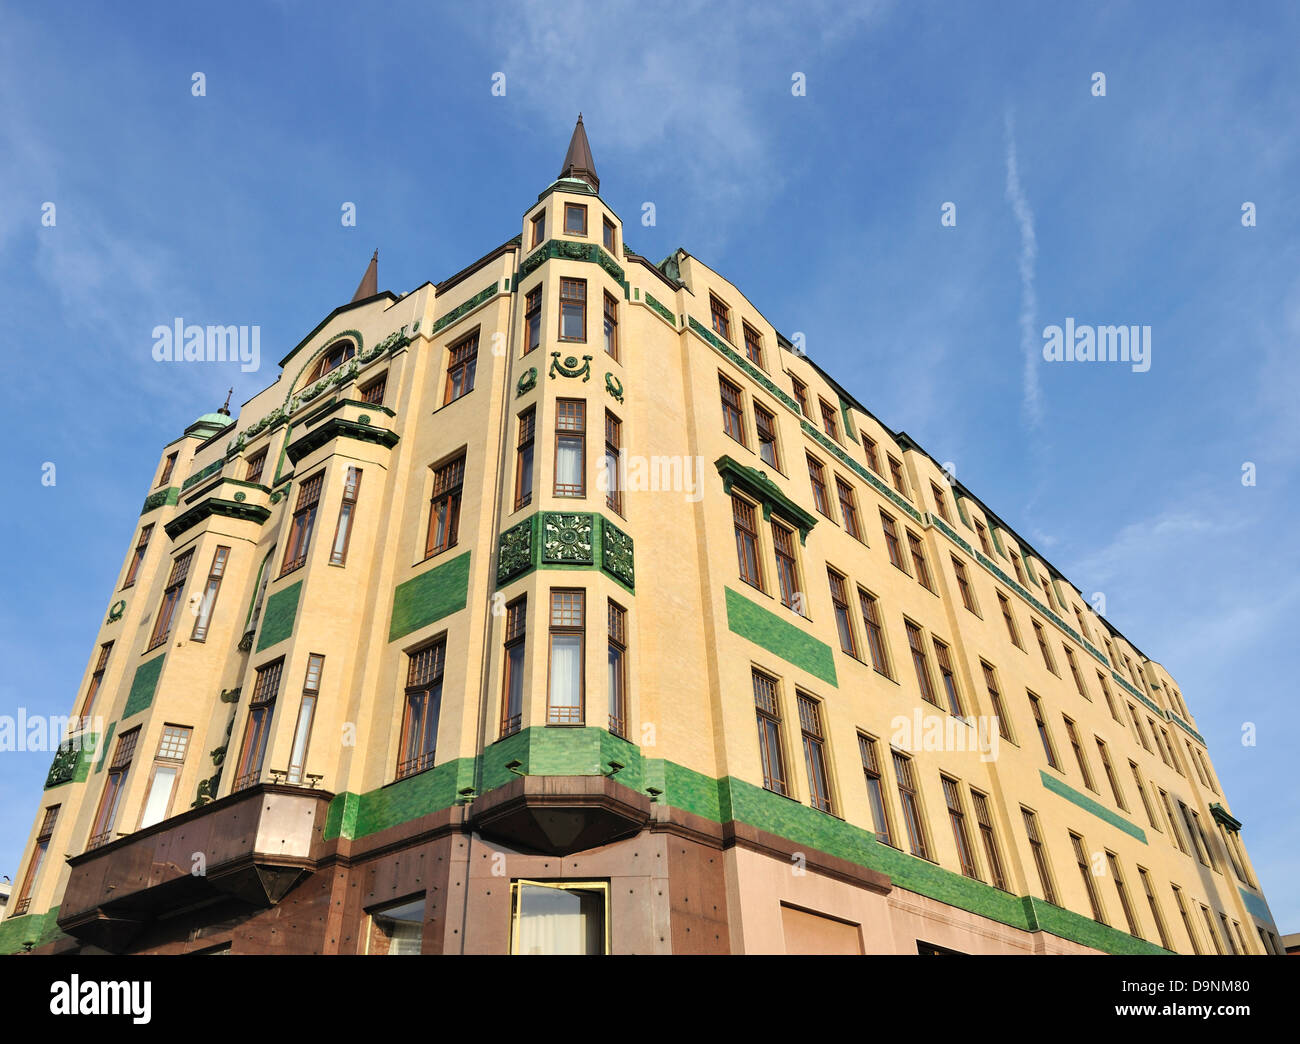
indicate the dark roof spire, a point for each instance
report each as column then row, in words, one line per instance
column 225, row 409
column 370, row 281
column 577, row 161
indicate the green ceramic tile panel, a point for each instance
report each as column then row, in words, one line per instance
column 1086, row 803
column 143, row 685
column 278, row 616
column 429, row 597
column 103, row 751
column 37, row 929
column 1045, row 917
column 80, row 768
column 1257, row 906
column 777, row 636
column 406, row 799
column 691, row 791
column 1187, row 728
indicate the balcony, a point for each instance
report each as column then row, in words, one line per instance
column 253, row 846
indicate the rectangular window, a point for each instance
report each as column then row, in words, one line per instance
column 613, row 463
column 43, row 836
column 875, row 789
column 1041, row 724
column 800, row 393
column 1137, row 727
column 575, row 219
column 957, row 817
column 896, row 476
column 461, row 367
column 1112, row 863
column 1074, row 672
column 995, row 698
column 918, row 560
column 947, row 678
column 512, row 702
column 106, row 816
column 1227, row 934
column 753, row 346
column 768, row 709
column 830, row 419
column 162, row 780
column 253, row 473
column 848, row 508
column 1043, row 648
column 566, row 689
column 444, row 507
column 539, row 229
column 1200, row 843
column 1009, row 618
column 1020, row 569
column 347, row 513
column 1174, row 831
column 573, row 309
column 257, row 730
column 611, row 326
column 921, row 662
column 96, row 679
column 171, row 598
column 204, row 618
column 1080, row 758
column 843, row 621
column 910, row 799
column 524, row 458
column 1085, row 872
column 607, row 234
column 570, row 448
column 533, row 319
column 1047, row 591
column 396, row 930
column 1040, row 855
column 817, row 476
column 765, row 425
column 742, row 512
column 422, row 709
column 1142, row 793
column 1110, row 775
column 1110, row 699
column 984, row 820
column 306, row 716
column 1186, row 919
column 373, row 393
column 733, row 415
column 814, row 753
column 963, row 585
column 873, row 455
column 559, row 917
column 984, row 538
column 875, row 633
column 891, row 542
column 1209, row 929
column 721, row 317
column 940, row 502
column 1154, row 905
column 1083, row 627
column 304, row 522
column 168, row 466
column 617, row 669
column 141, row 545
column 787, row 571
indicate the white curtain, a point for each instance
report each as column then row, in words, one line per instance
column 566, row 670
column 559, row 921
column 160, row 792
column 568, row 462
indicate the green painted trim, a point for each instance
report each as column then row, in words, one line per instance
column 845, row 412
column 569, row 250
column 664, row 313
column 72, row 761
column 867, row 476
column 143, row 685
column 780, row 637
column 1133, row 690
column 1258, row 907
column 1089, row 805
column 199, row 476
column 339, row 428
column 1044, row 916
column 736, row 359
column 103, row 751
column 462, row 310
column 522, row 548
column 278, row 615
column 216, row 506
column 1187, row 728
column 164, row 497
column 1225, row 817
column 766, row 492
column 427, row 598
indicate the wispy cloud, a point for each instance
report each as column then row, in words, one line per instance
column 1032, row 390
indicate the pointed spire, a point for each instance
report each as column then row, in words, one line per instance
column 577, row 161
column 370, row 281
column 225, row 409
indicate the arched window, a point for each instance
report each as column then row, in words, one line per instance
column 335, row 356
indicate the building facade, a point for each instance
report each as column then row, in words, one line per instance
column 563, row 606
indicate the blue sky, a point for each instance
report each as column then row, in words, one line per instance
column 824, row 209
